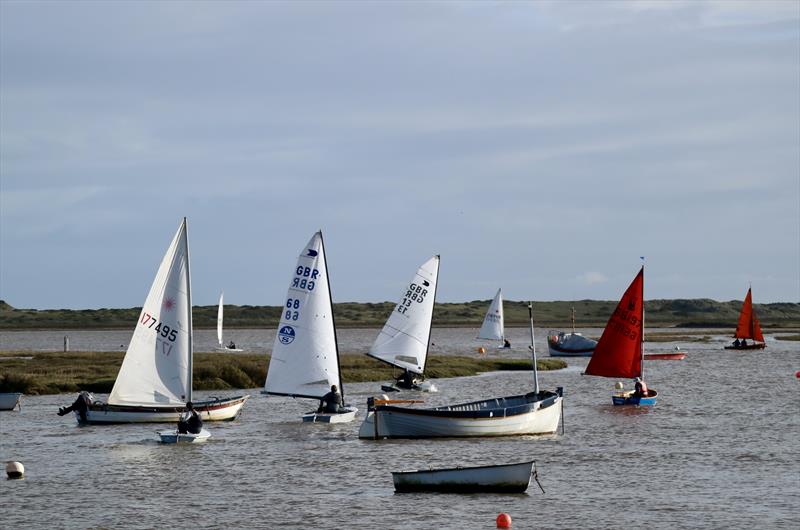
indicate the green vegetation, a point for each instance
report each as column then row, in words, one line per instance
column 60, row 372
column 787, row 337
column 698, row 313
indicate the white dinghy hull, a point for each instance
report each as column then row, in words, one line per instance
column 506, row 416
column 9, row 400
column 217, row 410
column 173, row 437
column 326, row 417
column 503, row 478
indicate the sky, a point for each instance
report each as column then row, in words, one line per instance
column 541, row 147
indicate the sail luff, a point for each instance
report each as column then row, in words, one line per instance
column 430, row 322
column 219, row 319
column 333, row 318
column 190, row 364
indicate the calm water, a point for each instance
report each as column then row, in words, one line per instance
column 724, row 457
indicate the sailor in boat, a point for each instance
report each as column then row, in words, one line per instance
column 744, row 343
column 639, row 388
column 736, row 343
column 190, row 421
column 331, row 402
column 231, row 345
column 407, row 380
column 85, row 399
column 506, row 344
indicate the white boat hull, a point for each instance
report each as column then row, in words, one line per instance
column 172, row 437
column 495, row 417
column 9, row 400
column 325, row 417
column 230, row 350
column 505, row 478
column 220, row 410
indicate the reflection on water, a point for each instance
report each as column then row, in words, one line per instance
column 719, row 450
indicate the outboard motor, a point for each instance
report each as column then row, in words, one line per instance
column 81, row 405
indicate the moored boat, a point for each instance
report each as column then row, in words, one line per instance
column 537, row 412
column 748, row 327
column 500, row 478
column 572, row 344
column 9, row 400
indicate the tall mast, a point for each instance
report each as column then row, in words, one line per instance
column 333, row 320
column 641, row 350
column 573, row 320
column 533, row 350
column 430, row 324
column 189, row 296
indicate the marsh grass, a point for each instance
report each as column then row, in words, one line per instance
column 66, row 372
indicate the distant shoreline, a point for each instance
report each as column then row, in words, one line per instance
column 680, row 314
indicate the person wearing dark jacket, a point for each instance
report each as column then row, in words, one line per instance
column 190, row 421
column 331, row 402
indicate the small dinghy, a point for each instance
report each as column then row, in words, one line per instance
column 502, row 478
column 173, row 437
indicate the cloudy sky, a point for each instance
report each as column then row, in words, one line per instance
column 541, row 147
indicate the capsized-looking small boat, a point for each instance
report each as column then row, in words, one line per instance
column 619, row 350
column 748, row 328
column 501, row 478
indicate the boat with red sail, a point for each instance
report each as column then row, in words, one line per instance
column 748, row 328
column 618, row 353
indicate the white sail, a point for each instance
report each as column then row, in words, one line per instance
column 219, row 319
column 492, row 328
column 157, row 369
column 305, row 358
column 403, row 341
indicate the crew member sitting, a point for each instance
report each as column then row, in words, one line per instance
column 331, row 402
column 190, row 421
column 407, row 380
column 231, row 345
column 506, row 344
column 639, row 388
column 736, row 343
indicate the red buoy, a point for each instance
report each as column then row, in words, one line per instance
column 503, row 521
column 797, row 374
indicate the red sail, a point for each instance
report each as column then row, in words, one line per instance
column 748, row 326
column 619, row 351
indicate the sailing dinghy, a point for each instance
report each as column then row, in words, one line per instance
column 536, row 412
column 155, row 379
column 619, row 351
column 403, row 342
column 748, row 328
column 174, row 437
column 493, row 327
column 229, row 347
column 305, row 356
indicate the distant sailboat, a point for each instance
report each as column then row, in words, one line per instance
column 154, row 382
column 618, row 353
column 305, row 356
column 403, row 342
column 231, row 346
column 493, row 327
column 748, row 328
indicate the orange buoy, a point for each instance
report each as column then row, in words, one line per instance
column 481, row 350
column 503, row 521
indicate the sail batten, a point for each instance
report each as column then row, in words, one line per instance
column 407, row 331
column 618, row 353
column 493, row 327
column 157, row 365
column 305, row 359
